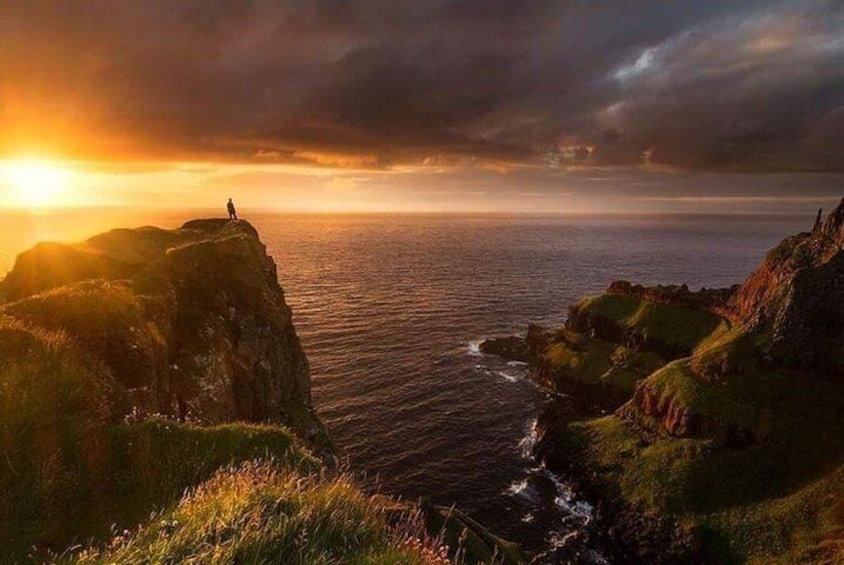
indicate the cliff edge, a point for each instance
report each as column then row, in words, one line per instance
column 191, row 323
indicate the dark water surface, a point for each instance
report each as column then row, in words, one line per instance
column 390, row 310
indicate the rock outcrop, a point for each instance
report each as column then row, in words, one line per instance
column 796, row 297
column 712, row 299
column 192, row 322
column 789, row 314
column 668, row 320
column 510, row 347
column 526, row 349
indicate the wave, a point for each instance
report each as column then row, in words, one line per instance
column 507, row 377
column 565, row 498
column 523, row 489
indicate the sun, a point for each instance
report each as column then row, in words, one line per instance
column 33, row 183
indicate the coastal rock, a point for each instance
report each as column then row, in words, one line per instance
column 788, row 314
column 191, row 322
column 515, row 348
column 653, row 414
column 640, row 317
column 510, row 347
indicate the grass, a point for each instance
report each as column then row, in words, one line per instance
column 55, row 404
column 75, row 474
column 76, row 469
column 585, row 361
column 49, row 265
column 662, row 331
column 472, row 540
column 612, row 306
column 576, row 359
column 773, row 497
column 72, row 466
column 806, row 526
column 680, row 386
column 747, row 505
column 728, row 380
column 138, row 245
column 259, row 513
column 676, row 326
column 108, row 320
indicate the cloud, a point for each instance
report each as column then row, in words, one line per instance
column 375, row 84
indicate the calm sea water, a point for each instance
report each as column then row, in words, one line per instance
column 390, row 310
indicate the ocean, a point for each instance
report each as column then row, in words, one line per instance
column 391, row 309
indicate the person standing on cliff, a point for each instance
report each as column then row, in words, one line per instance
column 232, row 211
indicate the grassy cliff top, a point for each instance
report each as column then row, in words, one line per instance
column 674, row 325
column 117, row 254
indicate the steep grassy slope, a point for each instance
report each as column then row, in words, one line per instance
column 612, row 341
column 75, row 461
column 78, row 467
column 672, row 328
column 759, row 504
column 264, row 513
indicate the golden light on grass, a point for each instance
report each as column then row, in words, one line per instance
column 33, row 183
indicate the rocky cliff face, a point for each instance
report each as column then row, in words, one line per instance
column 796, row 297
column 192, row 322
column 787, row 325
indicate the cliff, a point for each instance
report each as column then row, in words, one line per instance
column 612, row 341
column 725, row 441
column 190, row 323
column 785, row 323
column 796, row 297
column 155, row 406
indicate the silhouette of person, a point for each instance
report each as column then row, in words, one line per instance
column 232, row 211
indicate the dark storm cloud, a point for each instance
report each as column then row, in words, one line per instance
column 711, row 85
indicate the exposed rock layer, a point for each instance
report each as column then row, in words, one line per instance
column 797, row 297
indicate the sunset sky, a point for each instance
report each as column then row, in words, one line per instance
column 436, row 105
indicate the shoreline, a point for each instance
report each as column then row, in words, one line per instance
column 624, row 533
